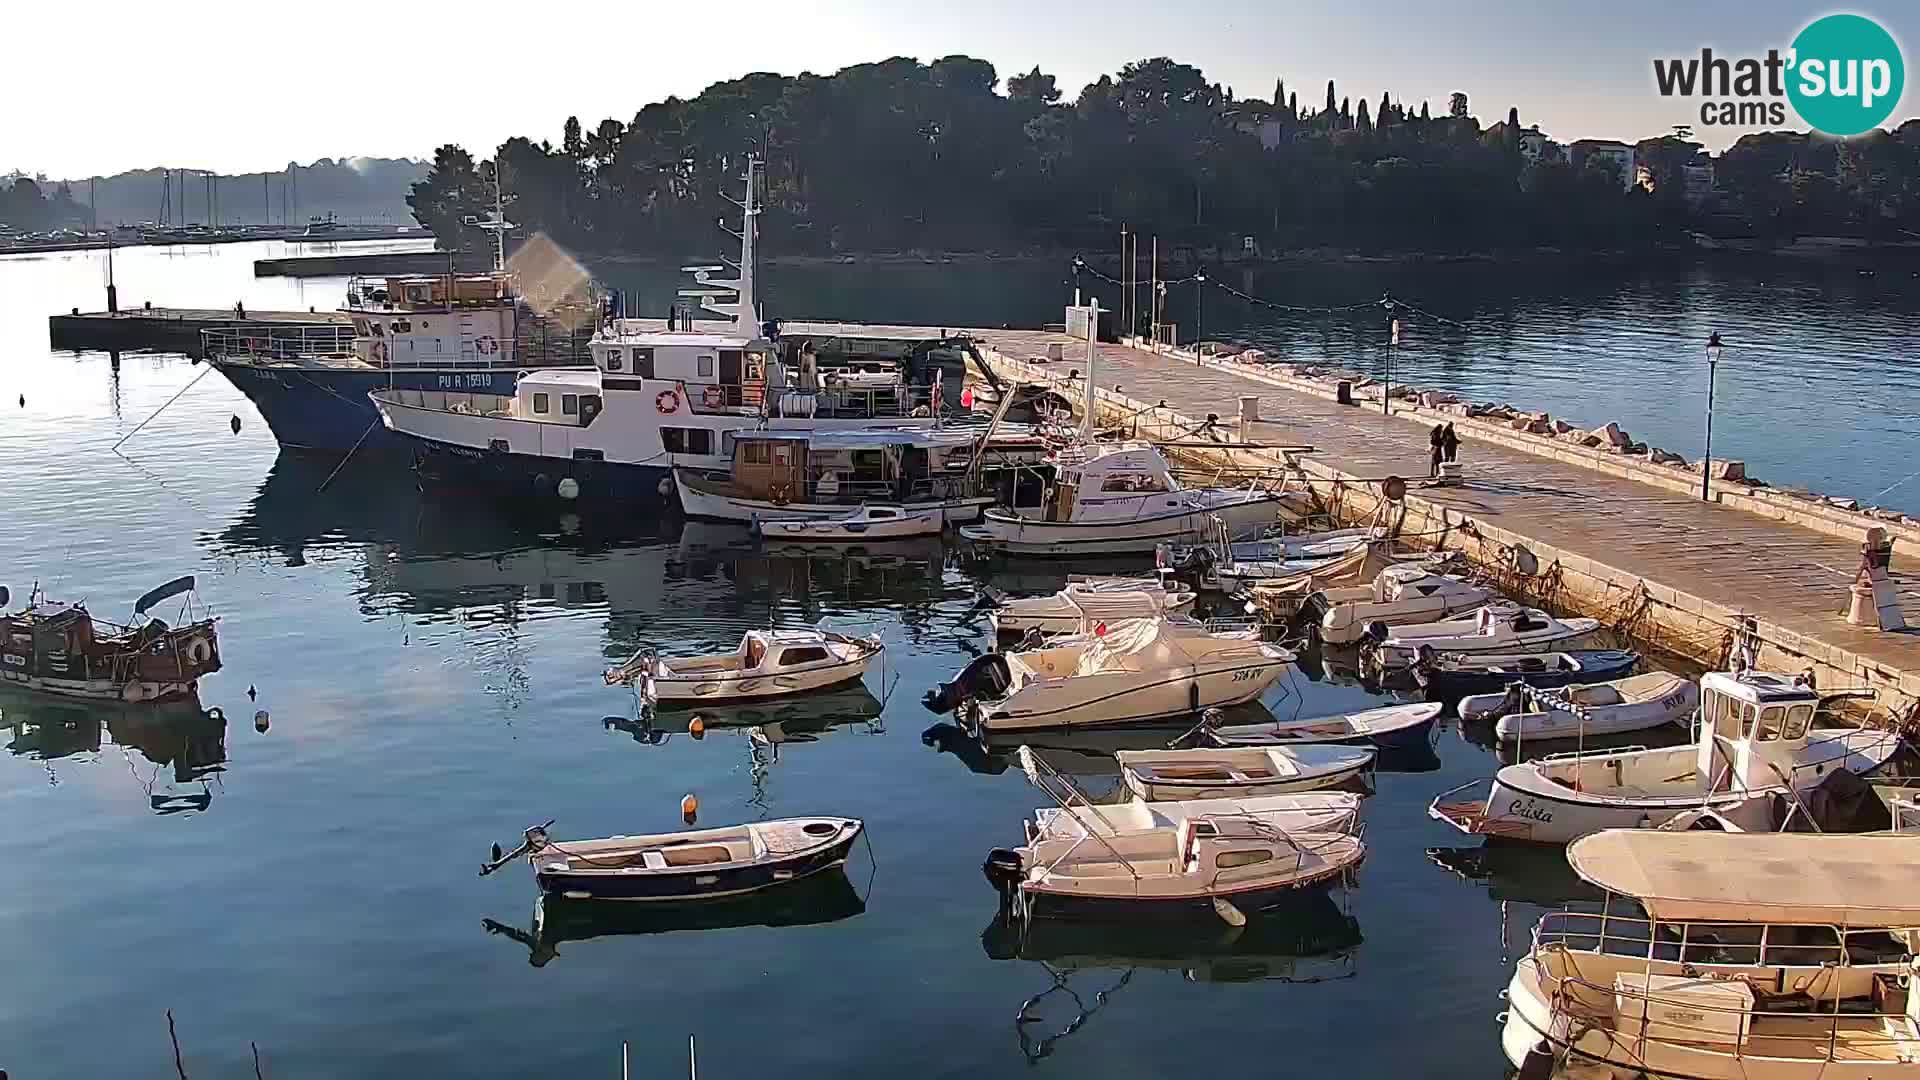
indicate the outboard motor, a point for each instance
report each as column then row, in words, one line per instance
column 1513, row 702
column 986, row 677
column 1376, row 633
column 1004, row 869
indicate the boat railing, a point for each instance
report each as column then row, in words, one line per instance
column 1579, row 755
column 273, row 341
column 372, row 295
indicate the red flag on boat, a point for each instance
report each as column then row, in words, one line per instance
column 966, row 397
column 1101, row 629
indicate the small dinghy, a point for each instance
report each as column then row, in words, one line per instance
column 1213, row 866
column 1496, row 628
column 1756, row 741
column 1087, row 602
column 869, row 522
column 1390, row 727
column 1403, row 595
column 768, row 663
column 1635, row 703
column 1319, row 811
column 695, row 865
column 1233, row 772
column 1451, row 678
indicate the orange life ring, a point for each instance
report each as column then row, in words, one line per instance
column 486, row 344
column 379, row 352
column 666, row 402
column 714, row 397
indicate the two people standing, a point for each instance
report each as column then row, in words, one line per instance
column 1444, row 443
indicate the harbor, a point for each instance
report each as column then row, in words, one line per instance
column 728, row 692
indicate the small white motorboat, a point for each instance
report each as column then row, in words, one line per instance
column 1390, row 727
column 1317, row 811
column 1228, row 566
column 1087, row 602
column 1212, row 866
column 1133, row 671
column 768, row 663
column 1501, row 628
column 1635, row 703
column 1403, row 595
column 678, row 867
column 869, row 522
column 1756, row 740
column 1230, row 772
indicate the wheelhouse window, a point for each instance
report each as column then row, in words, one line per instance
column 570, row 404
column 539, row 403
column 1799, row 719
column 1132, row 483
column 805, row 654
column 613, row 360
column 1772, row 719
column 755, row 454
column 589, row 455
column 677, row 440
column 704, row 366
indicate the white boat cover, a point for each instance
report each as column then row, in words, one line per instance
column 1148, row 645
column 1849, row 880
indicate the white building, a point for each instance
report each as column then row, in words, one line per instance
column 1617, row 154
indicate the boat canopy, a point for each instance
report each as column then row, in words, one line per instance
column 1857, row 880
column 170, row 589
column 1144, row 645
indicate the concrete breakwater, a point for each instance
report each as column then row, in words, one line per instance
column 1575, row 528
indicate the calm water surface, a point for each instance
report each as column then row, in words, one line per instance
column 432, row 674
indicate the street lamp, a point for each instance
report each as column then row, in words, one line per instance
column 1706, row 460
column 1199, row 286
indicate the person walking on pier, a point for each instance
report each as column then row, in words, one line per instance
column 1435, row 439
column 1449, row 442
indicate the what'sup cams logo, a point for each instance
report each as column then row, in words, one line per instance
column 1843, row 75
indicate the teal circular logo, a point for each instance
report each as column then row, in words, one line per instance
column 1847, row 74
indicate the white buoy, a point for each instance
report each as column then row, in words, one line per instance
column 665, row 487
column 260, row 721
column 568, row 488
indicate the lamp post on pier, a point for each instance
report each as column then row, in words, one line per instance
column 1199, row 287
column 1706, row 458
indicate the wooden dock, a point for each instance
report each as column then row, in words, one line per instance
column 375, row 263
column 1686, row 574
column 170, row 329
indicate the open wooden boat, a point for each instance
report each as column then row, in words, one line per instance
column 1388, row 727
column 768, row 663
column 1635, row 703
column 869, row 522
column 1307, row 811
column 1452, row 677
column 1086, row 603
column 62, row 649
column 1244, row 771
column 694, row 865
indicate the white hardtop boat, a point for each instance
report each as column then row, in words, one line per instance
column 1402, row 595
column 1137, row 670
column 768, row 663
column 1501, row 628
column 1116, row 498
column 1387, row 727
column 1756, row 740
column 1319, row 811
column 1087, row 602
column 1222, row 866
column 1726, row 956
column 1230, row 772
column 819, row 475
column 869, row 522
column 1635, row 703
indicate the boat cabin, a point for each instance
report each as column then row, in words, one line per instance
column 1413, row 582
column 1117, row 480
column 852, row 466
column 433, row 319
column 718, row 372
column 1753, row 727
column 561, row 396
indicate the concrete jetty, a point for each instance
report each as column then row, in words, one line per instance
column 1698, row 578
column 171, row 329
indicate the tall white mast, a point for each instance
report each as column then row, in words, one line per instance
column 746, row 320
column 1093, row 355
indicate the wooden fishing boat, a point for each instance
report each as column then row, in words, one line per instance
column 768, row 663
column 869, row 522
column 1635, row 703
column 1308, row 811
column 693, row 865
column 62, row 649
column 1389, row 727
column 1450, row 678
column 1239, row 772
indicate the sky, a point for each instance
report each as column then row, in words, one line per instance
column 245, row 87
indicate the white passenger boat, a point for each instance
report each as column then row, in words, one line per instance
column 1087, row 602
column 1389, row 727
column 1316, row 811
column 768, row 663
column 868, row 522
column 1756, row 740
column 1496, row 628
column 1726, row 956
column 1228, row 867
column 1403, row 595
column 1635, row 703
column 1135, row 671
column 1232, row 772
column 1118, row 498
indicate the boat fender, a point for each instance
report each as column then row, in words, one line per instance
column 1003, row 869
column 261, row 721
column 568, row 488
column 199, row 649
column 689, row 808
column 665, row 486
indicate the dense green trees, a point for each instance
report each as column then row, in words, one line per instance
column 900, row 155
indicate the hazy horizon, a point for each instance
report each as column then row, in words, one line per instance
column 241, row 89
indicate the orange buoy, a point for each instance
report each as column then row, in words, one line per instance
column 689, row 809
column 697, row 728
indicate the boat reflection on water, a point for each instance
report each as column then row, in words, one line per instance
column 1516, row 872
column 890, row 569
column 781, row 720
column 817, row 899
column 1480, row 733
column 179, row 736
column 1309, row 942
